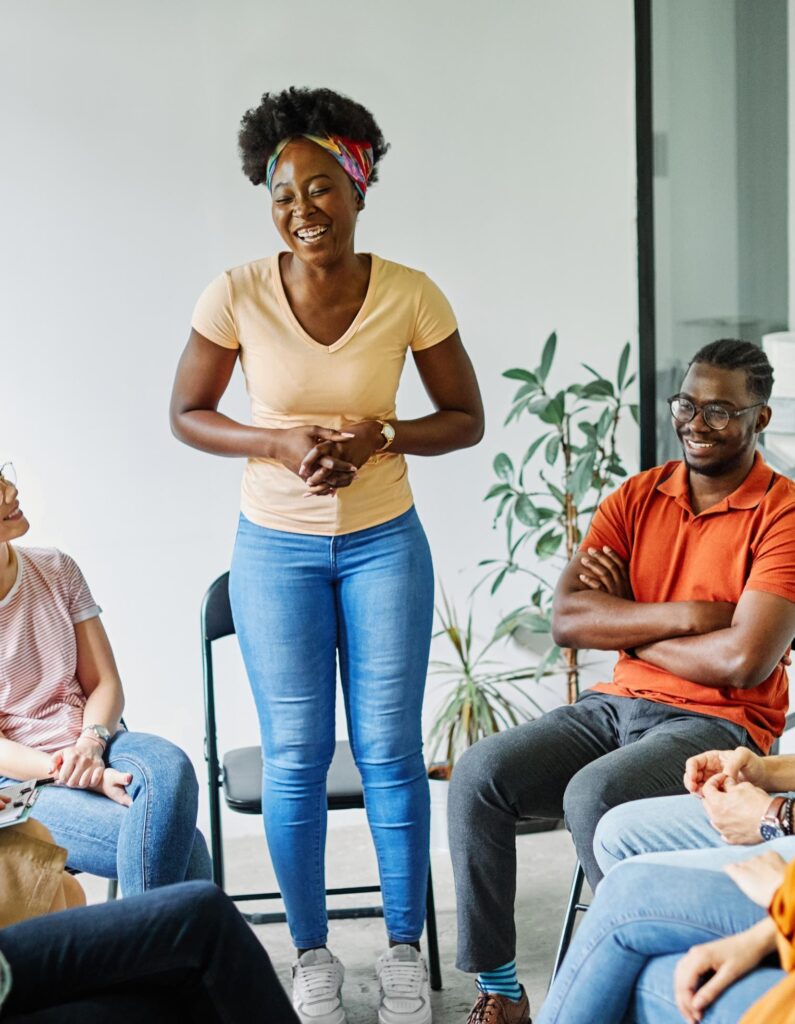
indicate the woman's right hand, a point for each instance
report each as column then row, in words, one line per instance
column 310, row 449
column 706, row 971
column 113, row 785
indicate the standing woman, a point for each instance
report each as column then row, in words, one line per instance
column 330, row 557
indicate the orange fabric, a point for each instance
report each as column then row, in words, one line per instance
column 778, row 1006
column 745, row 542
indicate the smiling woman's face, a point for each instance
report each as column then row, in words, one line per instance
column 315, row 204
column 13, row 523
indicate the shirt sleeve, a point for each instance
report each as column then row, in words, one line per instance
column 213, row 316
column 609, row 526
column 773, row 565
column 435, row 318
column 82, row 605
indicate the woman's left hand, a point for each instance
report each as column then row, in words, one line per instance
column 725, row 959
column 760, row 877
column 77, row 768
column 367, row 439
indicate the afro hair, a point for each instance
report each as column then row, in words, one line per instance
column 297, row 111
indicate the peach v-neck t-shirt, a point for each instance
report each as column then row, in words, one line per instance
column 292, row 380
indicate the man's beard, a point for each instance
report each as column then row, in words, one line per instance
column 725, row 465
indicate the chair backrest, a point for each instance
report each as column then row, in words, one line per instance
column 216, row 611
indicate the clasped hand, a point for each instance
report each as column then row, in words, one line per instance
column 328, row 459
column 731, row 784
column 83, row 768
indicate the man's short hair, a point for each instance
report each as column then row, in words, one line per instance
column 731, row 354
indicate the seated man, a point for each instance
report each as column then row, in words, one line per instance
column 688, row 571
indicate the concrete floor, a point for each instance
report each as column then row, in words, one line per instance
column 545, row 864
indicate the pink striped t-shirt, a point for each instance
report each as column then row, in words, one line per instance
column 41, row 700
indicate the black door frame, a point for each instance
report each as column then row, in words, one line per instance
column 644, row 135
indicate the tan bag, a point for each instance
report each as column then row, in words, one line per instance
column 32, row 876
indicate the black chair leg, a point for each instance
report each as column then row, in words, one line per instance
column 434, row 965
column 568, row 921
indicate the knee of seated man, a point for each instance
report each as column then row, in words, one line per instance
column 477, row 772
column 589, row 795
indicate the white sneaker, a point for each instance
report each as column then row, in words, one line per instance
column 405, row 993
column 317, row 980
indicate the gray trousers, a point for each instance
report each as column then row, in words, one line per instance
column 575, row 763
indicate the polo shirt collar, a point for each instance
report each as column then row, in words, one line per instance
column 748, row 494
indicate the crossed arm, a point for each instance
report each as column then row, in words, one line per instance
column 713, row 643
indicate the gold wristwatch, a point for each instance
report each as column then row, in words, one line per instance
column 388, row 434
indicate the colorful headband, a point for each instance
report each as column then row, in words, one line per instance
column 355, row 158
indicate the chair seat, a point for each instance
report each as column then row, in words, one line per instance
column 242, row 775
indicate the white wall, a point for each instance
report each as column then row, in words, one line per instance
column 511, row 181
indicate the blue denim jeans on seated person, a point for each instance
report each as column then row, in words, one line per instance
column 152, row 843
column 644, row 917
column 671, row 830
column 298, row 600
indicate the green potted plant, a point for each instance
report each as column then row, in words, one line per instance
column 546, row 513
column 480, row 700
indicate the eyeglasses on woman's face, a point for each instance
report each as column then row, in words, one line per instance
column 714, row 414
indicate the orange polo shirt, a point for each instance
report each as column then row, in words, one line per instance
column 745, row 542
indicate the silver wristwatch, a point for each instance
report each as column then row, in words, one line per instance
column 97, row 732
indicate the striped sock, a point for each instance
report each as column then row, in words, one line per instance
column 502, row 982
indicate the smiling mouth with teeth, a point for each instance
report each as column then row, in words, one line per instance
column 311, row 234
column 700, row 445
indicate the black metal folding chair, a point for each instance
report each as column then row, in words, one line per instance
column 239, row 773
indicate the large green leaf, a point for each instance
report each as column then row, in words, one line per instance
column 547, row 356
column 582, row 477
column 623, row 363
column 635, row 413
column 552, row 449
column 555, row 409
column 519, row 374
column 597, row 389
column 605, row 421
column 503, row 467
column 497, row 489
column 533, row 448
column 549, row 542
column 525, row 511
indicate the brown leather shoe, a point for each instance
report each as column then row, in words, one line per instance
column 494, row 1009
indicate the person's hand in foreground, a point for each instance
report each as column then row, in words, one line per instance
column 705, row 971
column 735, row 809
column 728, row 959
column 759, row 877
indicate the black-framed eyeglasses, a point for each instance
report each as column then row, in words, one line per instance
column 715, row 416
column 8, row 474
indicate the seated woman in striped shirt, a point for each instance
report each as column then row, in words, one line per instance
column 124, row 804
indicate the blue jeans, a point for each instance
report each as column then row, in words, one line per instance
column 183, row 953
column 152, row 843
column 298, row 600
column 644, row 917
column 671, row 830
